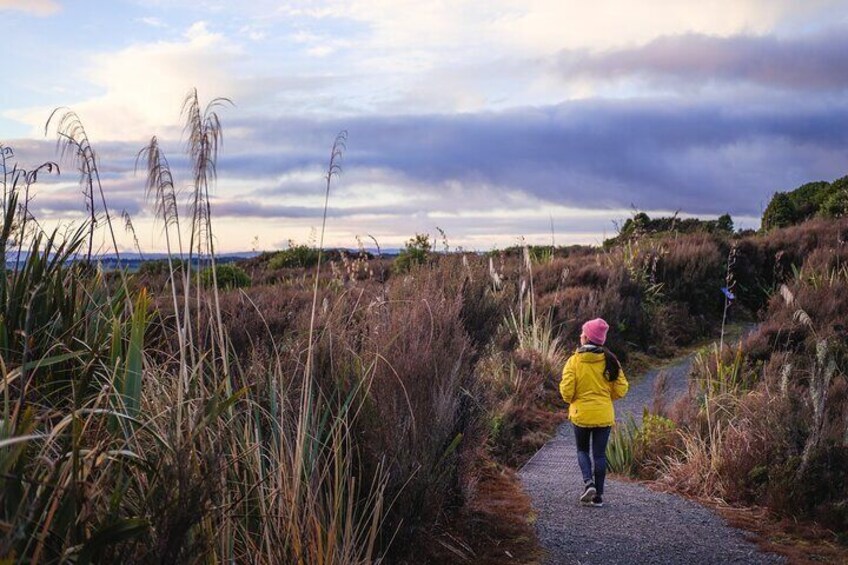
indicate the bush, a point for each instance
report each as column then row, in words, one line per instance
column 229, row 277
column 656, row 439
column 642, row 225
column 159, row 267
column 836, row 203
column 416, row 252
column 296, row 256
column 692, row 272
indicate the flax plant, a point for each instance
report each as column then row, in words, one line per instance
column 620, row 449
column 56, row 325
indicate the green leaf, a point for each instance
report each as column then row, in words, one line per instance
column 48, row 361
column 116, row 532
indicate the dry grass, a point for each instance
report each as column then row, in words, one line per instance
column 767, row 424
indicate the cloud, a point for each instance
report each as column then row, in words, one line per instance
column 144, row 85
column 152, row 22
column 545, row 25
column 378, row 56
column 34, row 7
column 806, row 63
column 700, row 157
column 241, row 208
column 472, row 117
column 487, row 174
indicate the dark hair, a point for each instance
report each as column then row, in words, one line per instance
column 613, row 366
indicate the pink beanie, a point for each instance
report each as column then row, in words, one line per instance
column 596, row 331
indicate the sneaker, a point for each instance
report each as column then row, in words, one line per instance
column 588, row 494
column 597, row 501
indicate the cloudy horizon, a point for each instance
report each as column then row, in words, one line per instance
column 491, row 121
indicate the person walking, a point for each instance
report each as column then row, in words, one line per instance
column 591, row 380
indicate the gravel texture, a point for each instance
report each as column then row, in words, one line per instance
column 636, row 524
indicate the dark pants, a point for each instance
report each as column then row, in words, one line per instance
column 599, row 438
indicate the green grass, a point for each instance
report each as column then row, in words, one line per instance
column 621, row 447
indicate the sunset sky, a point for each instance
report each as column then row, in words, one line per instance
column 490, row 120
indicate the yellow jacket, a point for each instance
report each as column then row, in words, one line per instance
column 587, row 391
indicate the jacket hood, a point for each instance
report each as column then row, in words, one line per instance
column 592, row 353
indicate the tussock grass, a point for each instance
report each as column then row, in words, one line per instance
column 765, row 423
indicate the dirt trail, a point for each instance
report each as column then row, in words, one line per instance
column 636, row 524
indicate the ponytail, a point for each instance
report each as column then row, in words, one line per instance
column 613, row 366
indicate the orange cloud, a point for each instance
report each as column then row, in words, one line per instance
column 34, row 7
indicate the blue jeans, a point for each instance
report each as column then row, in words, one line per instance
column 599, row 438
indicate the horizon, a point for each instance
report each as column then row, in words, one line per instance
column 540, row 118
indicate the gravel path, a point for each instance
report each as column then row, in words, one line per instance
column 636, row 524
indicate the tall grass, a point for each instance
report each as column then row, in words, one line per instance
column 639, row 449
column 118, row 445
column 74, row 146
column 536, row 335
column 533, row 333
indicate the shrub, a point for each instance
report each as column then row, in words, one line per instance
column 411, row 357
column 641, row 225
column 656, row 439
column 159, row 267
column 296, row 256
column 692, row 271
column 229, row 277
column 836, row 203
column 416, row 252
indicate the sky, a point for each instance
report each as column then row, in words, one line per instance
column 496, row 121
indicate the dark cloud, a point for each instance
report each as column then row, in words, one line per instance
column 701, row 158
column 807, row 63
column 68, row 203
column 258, row 209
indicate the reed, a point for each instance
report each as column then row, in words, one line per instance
column 74, row 147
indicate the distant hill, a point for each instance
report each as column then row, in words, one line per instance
column 133, row 261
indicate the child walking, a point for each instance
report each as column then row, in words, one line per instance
column 591, row 380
